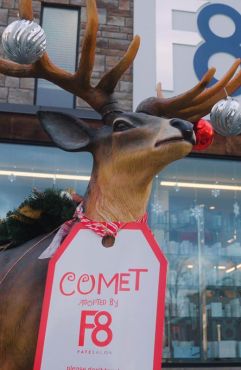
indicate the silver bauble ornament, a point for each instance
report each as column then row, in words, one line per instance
column 225, row 117
column 24, row 41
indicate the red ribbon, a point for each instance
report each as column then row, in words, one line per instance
column 100, row 228
column 103, row 228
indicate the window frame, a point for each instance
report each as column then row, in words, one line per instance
column 61, row 6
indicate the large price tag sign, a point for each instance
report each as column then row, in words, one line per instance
column 104, row 307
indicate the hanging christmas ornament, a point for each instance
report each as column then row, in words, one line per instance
column 24, row 41
column 226, row 117
column 204, row 134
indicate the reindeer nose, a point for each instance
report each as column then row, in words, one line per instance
column 185, row 127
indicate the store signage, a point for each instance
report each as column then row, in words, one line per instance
column 104, row 307
column 190, row 36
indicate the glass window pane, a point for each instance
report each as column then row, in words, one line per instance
column 20, row 166
column 195, row 215
column 61, row 28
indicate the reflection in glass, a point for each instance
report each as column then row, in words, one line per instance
column 36, row 159
column 199, row 231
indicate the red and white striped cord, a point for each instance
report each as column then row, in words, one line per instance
column 100, row 228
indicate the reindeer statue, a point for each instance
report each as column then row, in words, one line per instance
column 128, row 150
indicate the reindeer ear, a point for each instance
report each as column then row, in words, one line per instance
column 67, row 132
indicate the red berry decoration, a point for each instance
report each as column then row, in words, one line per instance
column 204, row 134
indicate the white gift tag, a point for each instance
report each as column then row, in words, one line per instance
column 104, row 307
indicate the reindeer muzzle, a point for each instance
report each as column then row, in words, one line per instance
column 186, row 129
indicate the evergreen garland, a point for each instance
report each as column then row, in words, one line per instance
column 40, row 213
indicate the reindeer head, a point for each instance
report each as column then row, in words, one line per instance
column 129, row 148
column 138, row 142
column 128, row 152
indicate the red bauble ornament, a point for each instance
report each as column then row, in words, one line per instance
column 204, row 134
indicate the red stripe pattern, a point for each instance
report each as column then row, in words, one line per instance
column 100, row 228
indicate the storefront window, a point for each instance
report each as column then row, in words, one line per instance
column 195, row 215
column 23, row 168
column 61, row 27
column 194, row 212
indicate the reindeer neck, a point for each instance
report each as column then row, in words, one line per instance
column 111, row 201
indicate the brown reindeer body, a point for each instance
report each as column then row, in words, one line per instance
column 128, row 150
column 21, row 297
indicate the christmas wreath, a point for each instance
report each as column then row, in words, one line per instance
column 40, row 213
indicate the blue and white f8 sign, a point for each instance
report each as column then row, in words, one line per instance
column 181, row 40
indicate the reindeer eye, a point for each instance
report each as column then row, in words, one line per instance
column 121, row 125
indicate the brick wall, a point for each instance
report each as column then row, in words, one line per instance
column 115, row 33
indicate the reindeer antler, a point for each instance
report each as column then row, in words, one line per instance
column 197, row 102
column 79, row 82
